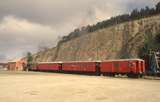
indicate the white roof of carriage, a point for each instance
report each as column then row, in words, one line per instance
column 92, row 61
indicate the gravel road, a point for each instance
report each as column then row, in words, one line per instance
column 54, row 87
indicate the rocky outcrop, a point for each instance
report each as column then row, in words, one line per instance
column 120, row 41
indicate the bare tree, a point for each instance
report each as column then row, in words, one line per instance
column 42, row 47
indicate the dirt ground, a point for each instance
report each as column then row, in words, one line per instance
column 54, row 87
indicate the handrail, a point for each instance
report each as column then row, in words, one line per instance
column 156, row 59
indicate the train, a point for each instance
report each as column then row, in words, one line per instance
column 129, row 67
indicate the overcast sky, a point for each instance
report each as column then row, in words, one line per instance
column 27, row 24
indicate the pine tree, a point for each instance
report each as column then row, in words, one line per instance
column 158, row 7
column 29, row 60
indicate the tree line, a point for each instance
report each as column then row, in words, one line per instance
column 134, row 15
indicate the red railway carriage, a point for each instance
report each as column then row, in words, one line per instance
column 90, row 67
column 126, row 66
column 130, row 67
column 49, row 66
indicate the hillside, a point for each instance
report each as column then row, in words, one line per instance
column 120, row 41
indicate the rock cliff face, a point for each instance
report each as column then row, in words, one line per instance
column 120, row 41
